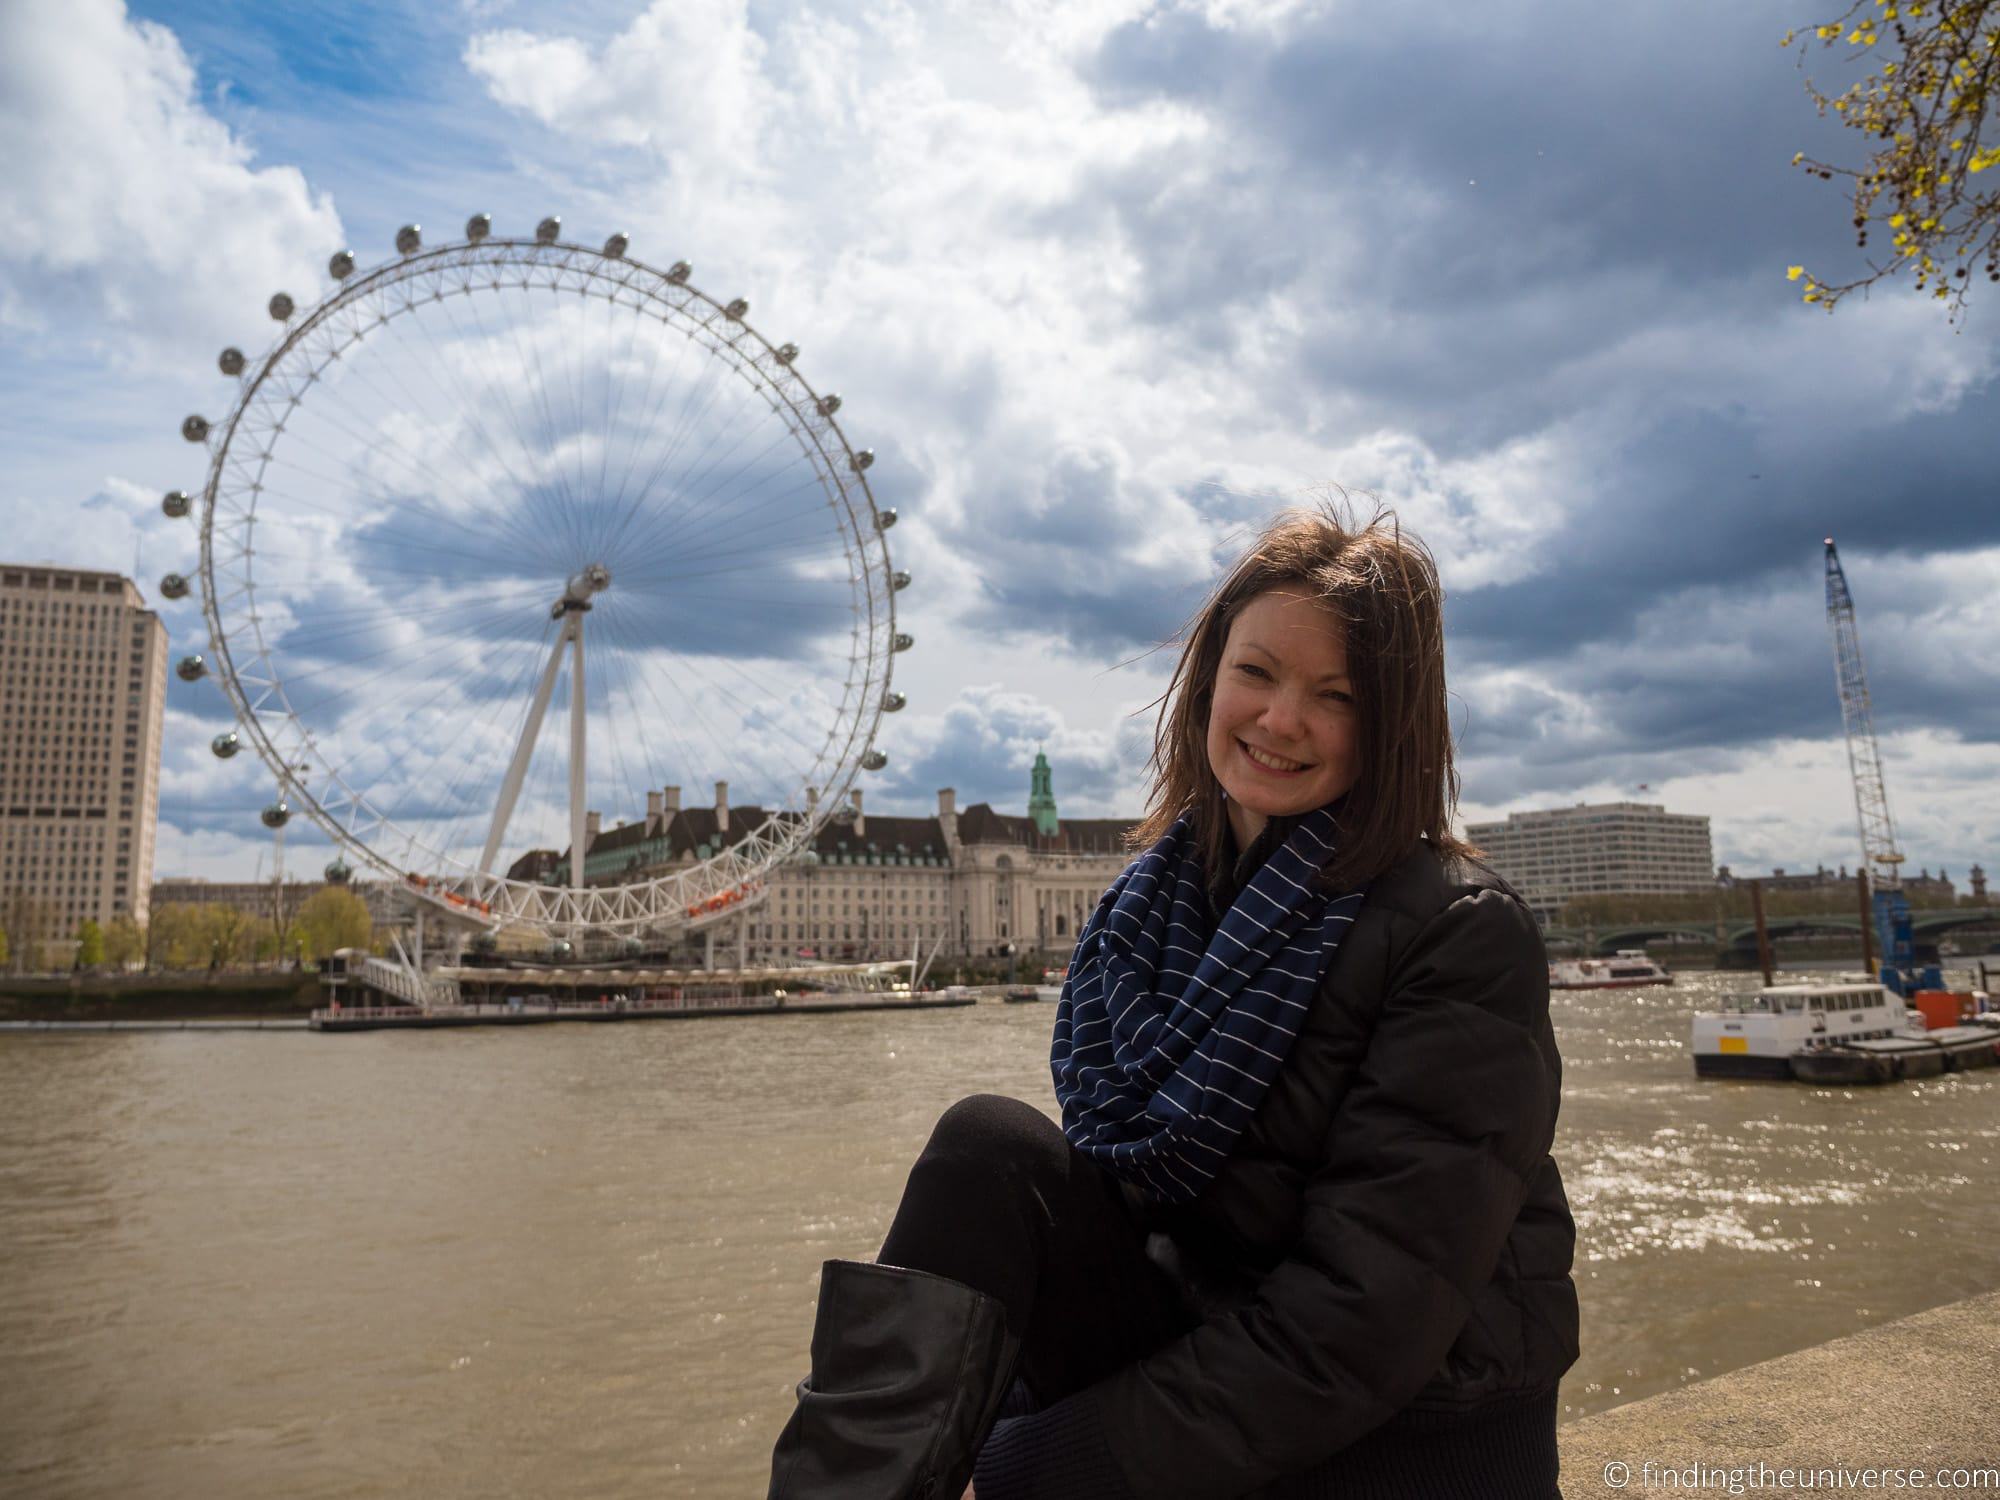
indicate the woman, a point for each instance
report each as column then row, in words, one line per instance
column 1299, row 1233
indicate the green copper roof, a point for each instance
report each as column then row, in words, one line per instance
column 1042, row 796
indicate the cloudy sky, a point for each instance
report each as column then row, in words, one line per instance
column 1103, row 285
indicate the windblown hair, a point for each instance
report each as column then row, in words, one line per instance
column 1383, row 586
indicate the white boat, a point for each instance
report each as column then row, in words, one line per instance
column 1628, row 969
column 1754, row 1036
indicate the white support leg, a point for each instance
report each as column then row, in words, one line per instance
column 576, row 751
column 517, row 771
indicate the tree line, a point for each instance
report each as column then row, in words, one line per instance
column 1731, row 904
column 181, row 935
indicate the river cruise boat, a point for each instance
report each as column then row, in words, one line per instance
column 1628, row 969
column 1756, row 1036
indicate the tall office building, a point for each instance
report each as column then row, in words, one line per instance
column 83, row 667
column 1607, row 848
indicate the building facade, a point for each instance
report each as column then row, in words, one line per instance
column 1923, row 886
column 83, row 667
column 1609, row 848
column 876, row 886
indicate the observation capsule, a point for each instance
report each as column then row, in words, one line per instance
column 341, row 266
column 281, row 307
column 902, row 640
column 176, row 503
column 894, row 703
column 616, row 246
column 173, row 586
column 828, row 404
column 277, row 815
column 478, row 227
column 191, row 668
column 899, row 580
column 230, row 361
column 874, row 760
column 561, row 948
column 547, row 230
column 738, row 306
column 225, row 744
column 409, row 239
column 863, row 458
column 337, row 873
column 679, row 272
column 786, row 353
column 195, row 429
column 886, row 517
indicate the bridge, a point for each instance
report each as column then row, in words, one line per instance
column 1737, row 936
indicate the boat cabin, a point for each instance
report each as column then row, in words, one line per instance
column 1804, row 998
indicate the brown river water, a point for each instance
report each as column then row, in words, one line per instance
column 580, row 1260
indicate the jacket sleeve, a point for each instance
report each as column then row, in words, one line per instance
column 1428, row 1159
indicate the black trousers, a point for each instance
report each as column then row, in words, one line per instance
column 1001, row 1202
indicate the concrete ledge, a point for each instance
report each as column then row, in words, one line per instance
column 1919, row 1394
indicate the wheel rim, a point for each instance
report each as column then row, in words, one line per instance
column 716, row 531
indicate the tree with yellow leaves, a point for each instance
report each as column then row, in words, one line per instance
column 1927, row 101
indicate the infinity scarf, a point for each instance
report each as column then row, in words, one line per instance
column 1168, row 1033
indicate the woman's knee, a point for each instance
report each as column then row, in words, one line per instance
column 995, row 1136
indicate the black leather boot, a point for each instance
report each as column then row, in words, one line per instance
column 907, row 1372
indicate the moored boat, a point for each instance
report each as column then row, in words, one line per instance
column 1957, row 1049
column 1755, row 1035
column 1833, row 1034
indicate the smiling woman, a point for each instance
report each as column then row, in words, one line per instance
column 463, row 474
column 1299, row 1233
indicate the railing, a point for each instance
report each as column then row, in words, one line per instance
column 346, row 1012
column 407, row 985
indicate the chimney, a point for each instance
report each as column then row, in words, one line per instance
column 670, row 801
column 722, row 807
column 948, row 815
column 653, row 815
column 860, row 823
column 812, row 802
column 591, row 823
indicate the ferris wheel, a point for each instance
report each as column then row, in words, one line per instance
column 507, row 536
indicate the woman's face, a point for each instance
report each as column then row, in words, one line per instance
column 1283, row 733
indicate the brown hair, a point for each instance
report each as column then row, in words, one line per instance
column 1383, row 585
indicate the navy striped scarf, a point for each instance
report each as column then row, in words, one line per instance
column 1168, row 1034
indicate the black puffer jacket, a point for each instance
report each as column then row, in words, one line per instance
column 1389, row 1245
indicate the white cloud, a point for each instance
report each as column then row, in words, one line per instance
column 133, row 215
column 683, row 78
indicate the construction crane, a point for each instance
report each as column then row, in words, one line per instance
column 1889, row 907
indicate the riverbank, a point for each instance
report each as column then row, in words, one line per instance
column 159, row 997
column 1913, row 1396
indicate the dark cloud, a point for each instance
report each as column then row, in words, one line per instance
column 1473, row 210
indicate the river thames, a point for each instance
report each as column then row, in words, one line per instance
column 581, row 1259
